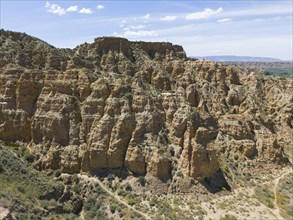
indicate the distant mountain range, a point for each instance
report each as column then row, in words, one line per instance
column 229, row 58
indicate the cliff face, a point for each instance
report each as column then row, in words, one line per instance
column 122, row 107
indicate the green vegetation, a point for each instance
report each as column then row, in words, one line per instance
column 128, row 187
column 30, row 194
column 92, row 207
column 99, row 204
column 35, row 195
column 279, row 71
column 200, row 212
column 28, row 156
column 265, row 195
column 224, row 166
column 228, row 217
column 113, row 208
column 57, row 173
column 92, row 203
column 131, row 200
column 284, row 197
column 142, row 180
column 164, row 208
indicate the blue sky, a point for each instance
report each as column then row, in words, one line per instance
column 235, row 27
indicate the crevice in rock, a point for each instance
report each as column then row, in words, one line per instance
column 216, row 183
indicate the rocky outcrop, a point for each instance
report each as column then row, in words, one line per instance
column 137, row 108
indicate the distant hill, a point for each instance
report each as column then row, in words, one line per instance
column 227, row 58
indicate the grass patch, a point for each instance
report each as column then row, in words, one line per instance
column 228, row 217
column 285, row 197
column 28, row 193
column 280, row 72
column 265, row 196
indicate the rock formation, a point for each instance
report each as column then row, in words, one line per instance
column 115, row 106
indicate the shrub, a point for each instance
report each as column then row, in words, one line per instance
column 99, row 190
column 142, row 180
column 67, row 207
column 153, row 202
column 76, row 188
column 98, row 204
column 21, row 151
column 21, row 189
column 121, row 193
column 228, row 217
column 75, row 178
column 113, row 208
column 128, row 187
column 91, row 214
column 100, row 215
column 90, row 203
column 131, row 201
column 28, row 156
column 1, row 169
column 180, row 174
column 57, row 173
column 265, row 196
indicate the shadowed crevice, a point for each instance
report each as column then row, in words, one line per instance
column 216, row 183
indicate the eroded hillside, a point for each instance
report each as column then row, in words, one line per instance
column 135, row 107
column 142, row 109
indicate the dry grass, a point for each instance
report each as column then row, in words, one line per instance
column 285, row 197
column 265, row 195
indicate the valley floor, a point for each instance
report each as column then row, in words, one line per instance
column 26, row 193
column 259, row 199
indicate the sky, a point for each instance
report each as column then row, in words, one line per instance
column 204, row 28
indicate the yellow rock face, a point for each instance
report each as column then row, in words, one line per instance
column 142, row 108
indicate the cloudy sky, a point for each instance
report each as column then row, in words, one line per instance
column 235, row 27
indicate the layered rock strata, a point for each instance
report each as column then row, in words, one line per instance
column 136, row 107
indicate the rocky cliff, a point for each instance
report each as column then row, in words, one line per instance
column 137, row 108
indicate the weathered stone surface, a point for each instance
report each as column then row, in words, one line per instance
column 143, row 108
column 204, row 162
column 135, row 161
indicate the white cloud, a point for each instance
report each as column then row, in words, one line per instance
column 168, row 18
column 85, row 11
column 72, row 8
column 146, row 17
column 116, row 34
column 100, row 7
column 224, row 20
column 137, row 27
column 206, row 13
column 55, row 9
column 138, row 34
column 122, row 24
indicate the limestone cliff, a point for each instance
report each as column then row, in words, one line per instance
column 115, row 106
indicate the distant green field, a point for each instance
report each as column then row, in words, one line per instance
column 280, row 69
column 281, row 72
